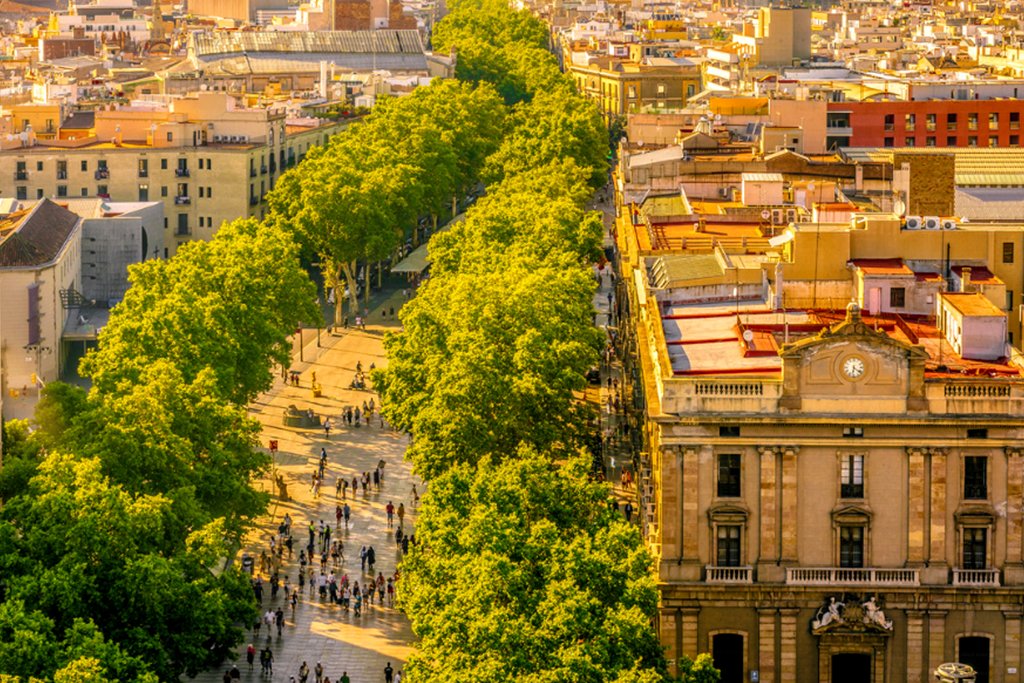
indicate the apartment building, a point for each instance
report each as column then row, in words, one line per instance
column 925, row 123
column 40, row 262
column 621, row 86
column 207, row 159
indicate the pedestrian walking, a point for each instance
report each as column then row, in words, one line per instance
column 327, row 428
column 250, row 655
column 415, row 496
column 362, row 558
column 389, row 674
column 401, row 514
column 390, row 510
column 318, row 672
column 371, row 557
column 304, row 672
column 279, row 620
column 346, row 511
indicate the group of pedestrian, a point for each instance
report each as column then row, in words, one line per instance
column 324, row 546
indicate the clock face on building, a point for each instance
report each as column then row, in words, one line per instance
column 853, row 368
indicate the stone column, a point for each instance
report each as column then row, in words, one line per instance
column 787, row 634
column 766, row 644
column 768, row 514
column 668, row 631
column 671, row 527
column 1014, row 495
column 915, row 648
column 937, row 639
column 691, row 555
column 689, row 626
column 937, row 554
column 915, row 507
column 1012, row 627
column 789, row 509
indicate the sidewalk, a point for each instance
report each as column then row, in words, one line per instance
column 319, row 631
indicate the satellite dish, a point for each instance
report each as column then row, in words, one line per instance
column 899, row 207
column 766, row 214
column 748, row 335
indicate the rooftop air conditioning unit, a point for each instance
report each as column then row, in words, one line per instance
column 948, row 224
column 778, row 215
column 914, row 222
column 791, row 215
column 243, row 138
column 932, row 223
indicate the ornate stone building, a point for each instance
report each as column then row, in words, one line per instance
column 830, row 496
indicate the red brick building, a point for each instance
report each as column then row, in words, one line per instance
column 925, row 123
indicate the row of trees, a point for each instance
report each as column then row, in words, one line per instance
column 357, row 198
column 522, row 572
column 121, row 507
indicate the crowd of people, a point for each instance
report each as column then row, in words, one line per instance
column 313, row 568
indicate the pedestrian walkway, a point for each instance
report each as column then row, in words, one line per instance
column 318, row 630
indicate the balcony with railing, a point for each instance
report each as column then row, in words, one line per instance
column 21, row 175
column 62, row 175
column 182, row 199
column 183, row 231
column 252, row 172
column 253, row 201
column 976, row 577
column 263, row 169
column 850, row 576
column 181, row 172
column 102, row 174
column 729, row 575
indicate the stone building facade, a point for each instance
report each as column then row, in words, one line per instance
column 829, row 498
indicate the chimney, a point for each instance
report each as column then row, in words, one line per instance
column 965, row 279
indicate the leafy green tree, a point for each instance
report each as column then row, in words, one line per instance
column 491, row 21
column 523, row 573
column 699, row 670
column 78, row 547
column 554, row 125
column 490, row 360
column 229, row 305
column 538, row 213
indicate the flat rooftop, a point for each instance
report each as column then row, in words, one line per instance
column 708, row 339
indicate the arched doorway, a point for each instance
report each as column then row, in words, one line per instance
column 974, row 651
column 727, row 653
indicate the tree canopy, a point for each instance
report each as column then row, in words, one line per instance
column 121, row 507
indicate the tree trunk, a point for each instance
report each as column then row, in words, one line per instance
column 332, row 279
column 349, row 269
column 455, row 206
column 380, row 274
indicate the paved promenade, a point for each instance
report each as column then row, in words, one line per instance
column 319, row 631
